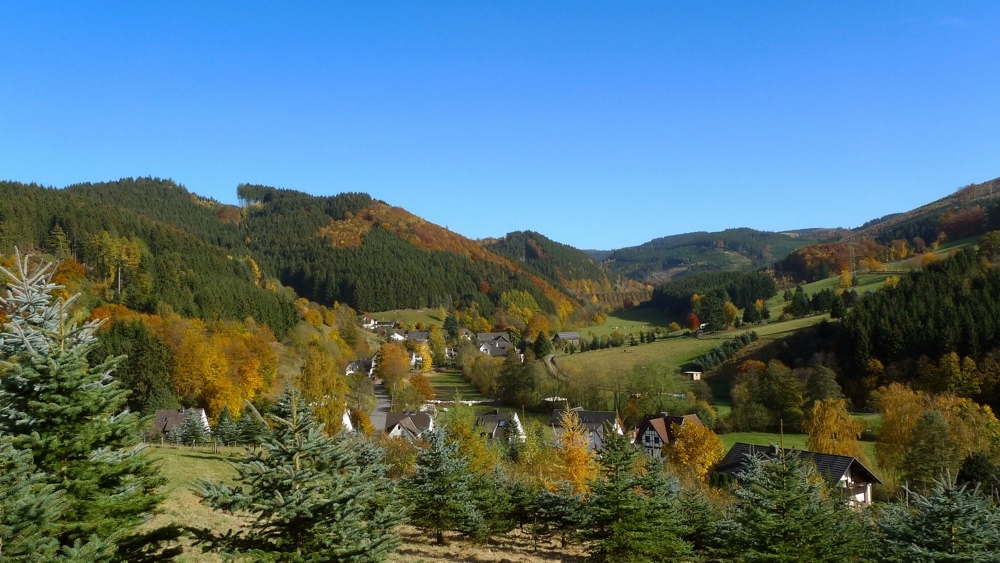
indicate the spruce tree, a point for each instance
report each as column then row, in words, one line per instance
column 632, row 516
column 559, row 514
column 311, row 498
column 226, row 430
column 251, row 429
column 439, row 492
column 71, row 416
column 785, row 513
column 931, row 454
column 191, row 431
column 951, row 523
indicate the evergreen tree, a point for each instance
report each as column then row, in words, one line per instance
column 57, row 242
column 451, row 327
column 632, row 516
column 951, row 523
column 491, row 492
column 751, row 313
column 838, row 310
column 250, row 428
column 191, row 431
column 71, row 416
column 542, row 346
column 226, row 429
column 144, row 369
column 784, row 513
column 439, row 492
column 559, row 514
column 978, row 470
column 312, row 498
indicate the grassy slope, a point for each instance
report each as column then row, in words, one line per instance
column 449, row 381
column 411, row 317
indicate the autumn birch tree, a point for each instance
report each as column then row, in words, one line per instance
column 577, row 463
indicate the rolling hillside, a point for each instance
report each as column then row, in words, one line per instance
column 666, row 258
column 346, row 248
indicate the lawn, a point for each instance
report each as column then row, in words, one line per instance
column 628, row 321
column 672, row 352
column 410, row 317
column 448, row 382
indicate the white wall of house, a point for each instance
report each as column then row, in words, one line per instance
column 652, row 443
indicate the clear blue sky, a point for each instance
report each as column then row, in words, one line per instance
column 599, row 125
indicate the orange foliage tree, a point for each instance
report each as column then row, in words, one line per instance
column 392, row 363
column 832, row 430
column 423, row 386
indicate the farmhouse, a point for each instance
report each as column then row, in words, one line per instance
column 366, row 367
column 500, row 425
column 596, row 423
column 566, row 338
column 496, row 344
column 166, row 420
column 845, row 472
column 408, row 425
column 656, row 431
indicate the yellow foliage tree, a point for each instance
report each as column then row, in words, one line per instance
column 314, row 318
column 695, row 449
column 832, row 430
column 538, row 323
column 323, row 387
column 460, row 421
column 900, row 408
column 423, row 386
column 577, row 464
column 846, row 280
column 731, row 312
column 427, row 359
column 392, row 363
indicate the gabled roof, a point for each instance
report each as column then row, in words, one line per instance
column 592, row 420
column 484, row 337
column 415, row 422
column 166, row 420
column 494, row 422
column 662, row 425
column 566, row 336
column 418, row 335
column 831, row 466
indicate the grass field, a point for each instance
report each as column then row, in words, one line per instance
column 411, row 317
column 447, row 382
column 628, row 321
column 671, row 352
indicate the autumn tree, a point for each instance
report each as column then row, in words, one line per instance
column 695, row 449
column 423, row 386
column 931, row 454
column 832, row 430
column 730, row 312
column 900, row 408
column 323, row 387
column 577, row 463
column 392, row 363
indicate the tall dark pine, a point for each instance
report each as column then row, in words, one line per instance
column 632, row 516
column 71, row 416
column 785, row 513
column 439, row 493
column 310, row 498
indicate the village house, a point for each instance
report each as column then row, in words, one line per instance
column 693, row 375
column 656, row 431
column 595, row 424
column 566, row 338
column 843, row 472
column 409, row 426
column 496, row 344
column 166, row 420
column 366, row 367
column 500, row 425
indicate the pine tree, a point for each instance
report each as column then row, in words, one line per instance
column 71, row 416
column 312, row 498
column 251, row 429
column 951, row 523
column 632, row 516
column 784, row 513
column 57, row 242
column 559, row 514
column 439, row 492
column 191, row 431
column 226, row 429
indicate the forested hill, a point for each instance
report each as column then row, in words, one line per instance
column 346, row 248
column 669, row 257
column 138, row 261
column 558, row 263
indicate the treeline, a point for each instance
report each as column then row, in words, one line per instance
column 742, row 288
column 139, row 262
column 760, row 247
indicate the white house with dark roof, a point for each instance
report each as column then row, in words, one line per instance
column 843, row 472
column 409, row 426
column 500, row 425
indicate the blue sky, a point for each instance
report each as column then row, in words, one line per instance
column 599, row 125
